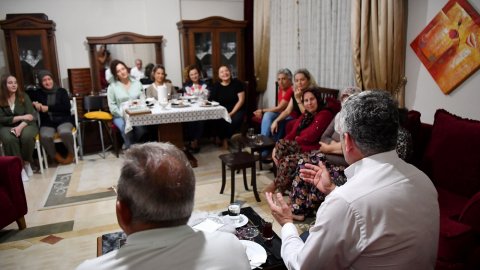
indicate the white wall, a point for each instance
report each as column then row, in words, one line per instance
column 422, row 93
column 77, row 19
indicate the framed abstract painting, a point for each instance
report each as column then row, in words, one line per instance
column 449, row 46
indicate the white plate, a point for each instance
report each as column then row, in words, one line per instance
column 241, row 221
column 256, row 254
column 212, row 104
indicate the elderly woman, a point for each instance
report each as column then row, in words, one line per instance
column 17, row 123
column 303, row 137
column 268, row 115
column 194, row 86
column 53, row 104
column 120, row 93
column 160, row 89
column 230, row 93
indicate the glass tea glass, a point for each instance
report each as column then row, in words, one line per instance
column 251, row 133
column 267, row 228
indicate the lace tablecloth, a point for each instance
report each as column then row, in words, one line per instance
column 193, row 112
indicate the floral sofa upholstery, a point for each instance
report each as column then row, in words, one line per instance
column 449, row 153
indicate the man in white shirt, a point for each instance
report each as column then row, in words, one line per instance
column 385, row 217
column 155, row 200
column 137, row 72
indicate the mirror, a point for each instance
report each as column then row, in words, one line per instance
column 124, row 46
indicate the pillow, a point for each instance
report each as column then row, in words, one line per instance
column 99, row 115
column 452, row 157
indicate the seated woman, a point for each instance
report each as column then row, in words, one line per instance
column 303, row 137
column 120, row 94
column 305, row 198
column 194, row 87
column 285, row 92
column 17, row 123
column 302, row 79
column 160, row 89
column 230, row 93
column 53, row 105
column 147, row 79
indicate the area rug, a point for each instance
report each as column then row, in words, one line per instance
column 31, row 232
column 89, row 181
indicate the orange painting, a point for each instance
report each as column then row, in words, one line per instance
column 449, row 47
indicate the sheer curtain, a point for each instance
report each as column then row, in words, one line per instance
column 314, row 35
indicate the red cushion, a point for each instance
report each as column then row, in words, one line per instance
column 451, row 204
column 452, row 157
column 471, row 212
column 454, row 241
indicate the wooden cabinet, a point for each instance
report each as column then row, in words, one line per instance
column 30, row 44
column 80, row 81
column 212, row 42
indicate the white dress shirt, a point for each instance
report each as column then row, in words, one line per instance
column 136, row 73
column 174, row 248
column 385, row 217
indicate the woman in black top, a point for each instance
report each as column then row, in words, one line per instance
column 230, row 93
column 53, row 105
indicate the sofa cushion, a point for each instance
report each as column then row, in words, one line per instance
column 452, row 157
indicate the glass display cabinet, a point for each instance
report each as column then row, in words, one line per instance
column 30, row 45
column 212, row 42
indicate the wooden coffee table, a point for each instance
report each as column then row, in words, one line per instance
column 266, row 144
column 110, row 241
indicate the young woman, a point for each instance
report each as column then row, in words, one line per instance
column 194, row 87
column 121, row 92
column 230, row 93
column 17, row 123
column 160, row 88
column 53, row 104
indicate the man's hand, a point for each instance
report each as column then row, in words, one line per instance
column 318, row 176
column 280, row 210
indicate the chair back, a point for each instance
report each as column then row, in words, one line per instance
column 328, row 93
column 93, row 103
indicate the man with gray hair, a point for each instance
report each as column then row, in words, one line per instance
column 385, row 216
column 155, row 199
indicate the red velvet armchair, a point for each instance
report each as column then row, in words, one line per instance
column 13, row 204
column 449, row 153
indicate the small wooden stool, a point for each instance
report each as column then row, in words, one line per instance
column 237, row 161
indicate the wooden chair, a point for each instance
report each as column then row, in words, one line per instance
column 239, row 161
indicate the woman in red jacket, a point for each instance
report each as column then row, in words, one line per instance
column 303, row 137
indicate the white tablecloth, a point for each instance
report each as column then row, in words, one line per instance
column 194, row 112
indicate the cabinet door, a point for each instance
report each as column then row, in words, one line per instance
column 202, row 46
column 229, row 51
column 29, row 47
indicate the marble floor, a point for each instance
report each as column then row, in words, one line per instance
column 93, row 219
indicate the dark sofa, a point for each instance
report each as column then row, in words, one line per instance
column 449, row 153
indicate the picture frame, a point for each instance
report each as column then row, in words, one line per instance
column 449, row 46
